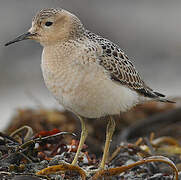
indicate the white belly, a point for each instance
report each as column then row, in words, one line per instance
column 88, row 91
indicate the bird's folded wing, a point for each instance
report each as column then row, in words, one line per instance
column 122, row 71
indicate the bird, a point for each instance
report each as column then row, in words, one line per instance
column 87, row 74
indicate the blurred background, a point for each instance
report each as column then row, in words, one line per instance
column 149, row 31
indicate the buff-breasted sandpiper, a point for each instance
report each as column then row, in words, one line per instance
column 88, row 74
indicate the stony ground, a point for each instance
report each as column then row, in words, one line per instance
column 148, row 133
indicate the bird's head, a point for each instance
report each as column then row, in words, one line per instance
column 51, row 26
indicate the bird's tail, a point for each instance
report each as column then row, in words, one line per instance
column 161, row 97
column 165, row 100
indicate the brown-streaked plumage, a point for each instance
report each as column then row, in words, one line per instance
column 88, row 74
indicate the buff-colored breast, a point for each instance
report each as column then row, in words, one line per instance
column 81, row 85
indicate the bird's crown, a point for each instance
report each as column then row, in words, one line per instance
column 46, row 13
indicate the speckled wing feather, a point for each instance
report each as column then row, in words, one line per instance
column 120, row 67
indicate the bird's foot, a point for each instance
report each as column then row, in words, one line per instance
column 106, row 172
column 118, row 170
column 64, row 167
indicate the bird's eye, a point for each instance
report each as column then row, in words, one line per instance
column 48, row 23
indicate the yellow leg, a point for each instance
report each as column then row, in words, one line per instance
column 84, row 134
column 109, row 133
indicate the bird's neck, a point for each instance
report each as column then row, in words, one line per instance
column 59, row 55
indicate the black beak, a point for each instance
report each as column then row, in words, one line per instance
column 22, row 37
